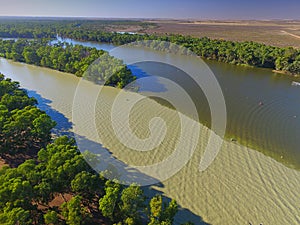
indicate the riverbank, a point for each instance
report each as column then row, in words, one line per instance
column 285, row 73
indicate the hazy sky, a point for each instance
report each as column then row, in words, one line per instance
column 199, row 9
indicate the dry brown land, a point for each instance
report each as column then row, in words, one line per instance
column 124, row 28
column 277, row 33
column 2, row 163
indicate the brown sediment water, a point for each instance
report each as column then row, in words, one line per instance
column 242, row 185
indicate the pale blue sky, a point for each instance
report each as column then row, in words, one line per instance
column 198, row 9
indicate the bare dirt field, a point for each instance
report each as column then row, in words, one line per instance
column 277, row 33
column 2, row 163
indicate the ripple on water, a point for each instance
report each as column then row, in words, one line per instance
column 240, row 186
column 269, row 127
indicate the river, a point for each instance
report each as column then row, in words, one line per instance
column 262, row 112
column 263, row 107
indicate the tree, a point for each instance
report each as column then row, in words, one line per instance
column 170, row 212
column 162, row 213
column 30, row 55
column 13, row 216
column 87, row 184
column 73, row 212
column 17, row 100
column 155, row 209
column 51, row 217
column 132, row 202
column 61, row 162
column 294, row 68
column 44, row 192
column 108, row 203
column 17, row 191
column 25, row 128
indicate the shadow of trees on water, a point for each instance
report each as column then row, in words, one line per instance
column 102, row 159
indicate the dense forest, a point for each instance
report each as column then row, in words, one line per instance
column 55, row 170
column 22, row 125
column 43, row 27
column 65, row 57
column 240, row 53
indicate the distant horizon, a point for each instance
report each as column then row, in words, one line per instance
column 156, row 9
column 139, row 18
